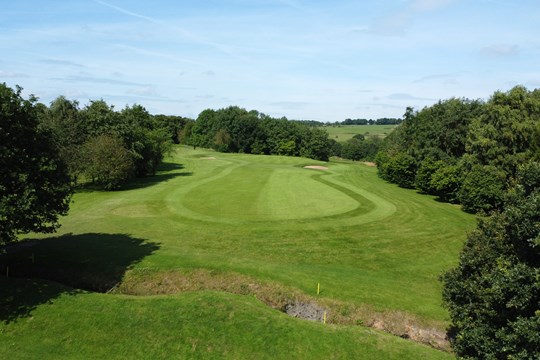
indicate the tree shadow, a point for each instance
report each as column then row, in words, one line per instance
column 150, row 180
column 93, row 262
column 166, row 171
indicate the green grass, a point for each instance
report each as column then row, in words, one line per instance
column 367, row 242
column 195, row 325
column 345, row 132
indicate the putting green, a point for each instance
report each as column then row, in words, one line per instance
column 239, row 191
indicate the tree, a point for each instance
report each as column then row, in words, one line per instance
column 34, row 184
column 314, row 143
column 482, row 189
column 108, row 162
column 425, row 173
column 493, row 295
column 401, row 170
column 446, row 182
column 63, row 120
column 222, row 140
column 99, row 118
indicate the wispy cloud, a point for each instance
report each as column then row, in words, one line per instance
column 205, row 97
column 397, row 22
column 405, row 96
column 429, row 5
column 290, row 105
column 153, row 53
column 97, row 80
column 500, row 50
column 10, row 74
column 187, row 35
column 148, row 90
column 435, row 77
column 127, row 12
column 133, row 98
column 62, row 63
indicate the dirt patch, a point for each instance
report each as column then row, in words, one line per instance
column 369, row 163
column 207, row 158
column 405, row 326
column 316, row 167
column 303, row 310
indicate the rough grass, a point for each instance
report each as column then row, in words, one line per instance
column 194, row 325
column 373, row 247
column 345, row 132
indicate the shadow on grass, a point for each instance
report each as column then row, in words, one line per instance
column 94, row 262
column 164, row 174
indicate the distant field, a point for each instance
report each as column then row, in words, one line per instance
column 346, row 132
column 261, row 227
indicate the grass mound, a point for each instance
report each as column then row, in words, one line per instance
column 201, row 325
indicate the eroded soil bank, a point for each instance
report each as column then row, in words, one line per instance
column 288, row 300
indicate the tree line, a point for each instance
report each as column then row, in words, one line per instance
column 105, row 146
column 465, row 151
column 348, row 121
column 234, row 129
column 379, row 121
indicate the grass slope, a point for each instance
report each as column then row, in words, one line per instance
column 201, row 325
column 367, row 242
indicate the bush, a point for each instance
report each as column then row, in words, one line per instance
column 401, row 170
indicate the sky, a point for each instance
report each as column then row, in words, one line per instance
column 316, row 60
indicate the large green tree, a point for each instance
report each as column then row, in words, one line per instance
column 62, row 118
column 34, row 183
column 494, row 293
column 465, row 151
column 107, row 162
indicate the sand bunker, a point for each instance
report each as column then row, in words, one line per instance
column 317, row 167
column 208, row 158
column 369, row 163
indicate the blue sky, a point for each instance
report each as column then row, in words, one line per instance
column 321, row 60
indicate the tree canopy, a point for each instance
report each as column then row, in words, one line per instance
column 234, row 129
column 465, row 151
column 34, row 182
column 494, row 293
column 138, row 139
